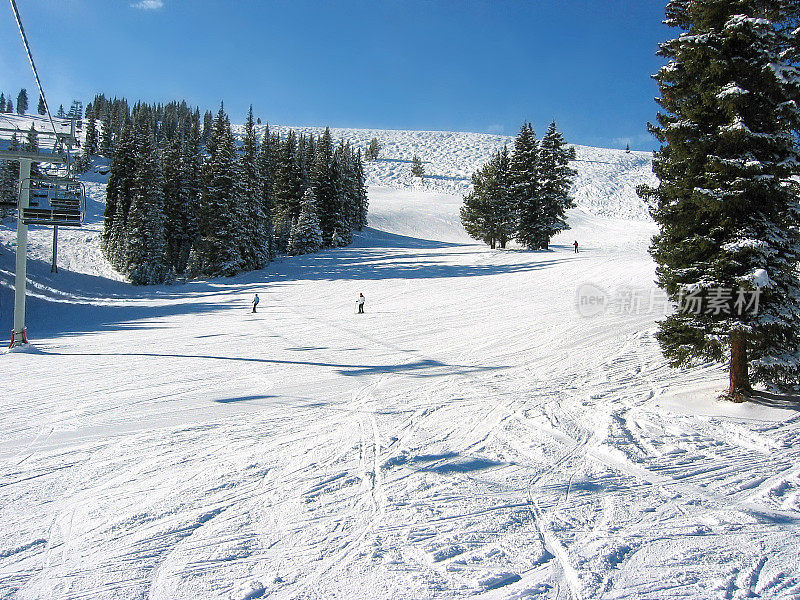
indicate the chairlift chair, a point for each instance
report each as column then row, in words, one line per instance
column 55, row 201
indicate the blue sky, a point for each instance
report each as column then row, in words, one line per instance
column 462, row 65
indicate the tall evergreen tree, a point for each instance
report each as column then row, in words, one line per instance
column 119, row 192
column 343, row 216
column 106, row 147
column 60, row 112
column 208, row 126
column 373, row 149
column 267, row 161
column 324, row 182
column 146, row 256
column 9, row 106
column 306, row 235
column 191, row 162
column 488, row 212
column 524, row 189
column 90, row 143
column 22, row 102
column 256, row 241
column 9, row 176
column 555, row 183
column 175, row 203
column 217, row 250
column 286, row 191
column 41, row 108
column 727, row 199
column 2, row 102
column 31, row 143
column 362, row 201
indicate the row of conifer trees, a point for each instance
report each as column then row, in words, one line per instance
column 199, row 201
column 522, row 195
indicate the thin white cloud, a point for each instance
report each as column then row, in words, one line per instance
column 148, row 4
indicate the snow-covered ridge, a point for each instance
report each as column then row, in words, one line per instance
column 605, row 185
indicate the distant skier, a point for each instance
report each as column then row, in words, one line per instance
column 255, row 302
column 575, row 243
column 360, row 302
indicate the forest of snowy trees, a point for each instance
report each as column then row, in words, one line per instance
column 522, row 195
column 188, row 197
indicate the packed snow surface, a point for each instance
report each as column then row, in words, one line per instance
column 471, row 435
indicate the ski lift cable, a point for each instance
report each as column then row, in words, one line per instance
column 33, row 64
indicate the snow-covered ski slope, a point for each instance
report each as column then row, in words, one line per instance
column 470, row 436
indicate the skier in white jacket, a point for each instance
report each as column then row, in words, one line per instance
column 360, row 302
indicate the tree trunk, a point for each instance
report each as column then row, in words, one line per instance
column 740, row 379
column 492, row 243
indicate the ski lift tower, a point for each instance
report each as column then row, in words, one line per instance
column 41, row 201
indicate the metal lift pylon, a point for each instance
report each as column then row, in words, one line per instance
column 19, row 334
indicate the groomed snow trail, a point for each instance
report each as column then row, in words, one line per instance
column 469, row 436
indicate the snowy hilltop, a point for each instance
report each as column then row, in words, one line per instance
column 605, row 185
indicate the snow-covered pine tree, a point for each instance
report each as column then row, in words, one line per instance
column 75, row 110
column 106, row 146
column 555, row 183
column 727, row 200
column 343, row 211
column 523, row 175
column 31, row 144
column 256, row 239
column 176, row 210
column 191, row 162
column 9, row 175
column 324, row 183
column 488, row 211
column 286, row 188
column 22, row 102
column 362, row 207
column 306, row 235
column 146, row 255
column 60, row 114
column 119, row 193
column 305, row 159
column 417, row 169
column 217, row 251
column 2, row 102
column 208, row 126
column 90, row 143
column 41, row 107
column 373, row 149
column 9, row 106
column 267, row 157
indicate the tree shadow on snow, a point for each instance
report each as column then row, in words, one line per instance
column 417, row 368
column 242, row 399
column 773, row 400
column 373, row 259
